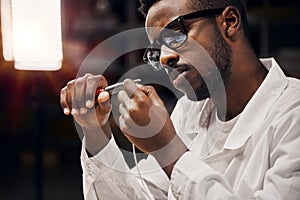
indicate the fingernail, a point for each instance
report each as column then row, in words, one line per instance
column 103, row 97
column 83, row 110
column 66, row 111
column 74, row 111
column 89, row 103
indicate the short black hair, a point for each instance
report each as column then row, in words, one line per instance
column 208, row 4
column 204, row 4
column 198, row 4
column 146, row 5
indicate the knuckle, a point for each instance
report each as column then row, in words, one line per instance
column 99, row 76
column 151, row 88
column 63, row 91
column 88, row 75
column 102, row 79
column 124, row 128
column 70, row 84
column 92, row 80
column 79, row 82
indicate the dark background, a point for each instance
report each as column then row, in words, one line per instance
column 40, row 147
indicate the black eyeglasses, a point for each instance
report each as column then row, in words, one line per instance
column 174, row 35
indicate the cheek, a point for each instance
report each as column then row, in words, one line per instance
column 200, row 40
column 197, row 53
column 194, row 78
column 199, row 35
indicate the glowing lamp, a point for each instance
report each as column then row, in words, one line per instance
column 31, row 33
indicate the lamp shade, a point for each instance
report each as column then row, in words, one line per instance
column 36, row 34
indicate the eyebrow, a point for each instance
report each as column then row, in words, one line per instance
column 162, row 29
column 158, row 19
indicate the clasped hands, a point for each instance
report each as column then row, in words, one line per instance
column 143, row 119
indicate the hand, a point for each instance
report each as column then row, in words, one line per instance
column 78, row 99
column 145, row 121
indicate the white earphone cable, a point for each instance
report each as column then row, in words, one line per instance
column 144, row 187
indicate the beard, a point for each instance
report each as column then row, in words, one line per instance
column 196, row 86
column 221, row 54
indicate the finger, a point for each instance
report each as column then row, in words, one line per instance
column 138, row 98
column 152, row 94
column 123, row 112
column 103, row 97
column 71, row 97
column 124, row 99
column 132, row 88
column 79, row 89
column 93, row 82
column 125, row 120
column 122, row 124
column 104, row 102
column 63, row 101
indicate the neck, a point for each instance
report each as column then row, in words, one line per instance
column 247, row 74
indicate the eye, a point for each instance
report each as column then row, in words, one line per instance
column 174, row 36
column 154, row 55
column 175, row 41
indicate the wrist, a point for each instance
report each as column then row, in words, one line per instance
column 96, row 130
column 96, row 139
column 170, row 154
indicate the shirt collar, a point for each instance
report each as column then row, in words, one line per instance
column 204, row 108
column 258, row 106
column 205, row 113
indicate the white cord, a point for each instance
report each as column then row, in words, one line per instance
column 144, row 187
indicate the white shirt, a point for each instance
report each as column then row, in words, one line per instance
column 258, row 159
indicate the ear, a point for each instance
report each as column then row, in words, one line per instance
column 231, row 21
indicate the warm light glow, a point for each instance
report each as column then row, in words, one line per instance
column 36, row 30
column 7, row 36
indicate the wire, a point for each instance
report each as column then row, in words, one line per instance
column 144, row 187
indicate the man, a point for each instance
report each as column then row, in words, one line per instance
column 242, row 145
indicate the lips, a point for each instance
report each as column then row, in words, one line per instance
column 175, row 71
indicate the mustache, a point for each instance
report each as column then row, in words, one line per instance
column 176, row 68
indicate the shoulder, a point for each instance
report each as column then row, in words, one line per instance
column 294, row 84
column 289, row 100
column 285, row 113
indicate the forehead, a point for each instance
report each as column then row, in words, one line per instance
column 163, row 12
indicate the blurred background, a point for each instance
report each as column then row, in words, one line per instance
column 39, row 145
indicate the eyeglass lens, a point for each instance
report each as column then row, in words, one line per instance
column 173, row 37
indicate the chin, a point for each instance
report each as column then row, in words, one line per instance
column 198, row 97
column 198, row 94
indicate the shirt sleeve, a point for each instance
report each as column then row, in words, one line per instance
column 282, row 180
column 107, row 176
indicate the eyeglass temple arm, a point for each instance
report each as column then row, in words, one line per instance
column 204, row 13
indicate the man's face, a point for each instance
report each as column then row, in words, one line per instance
column 185, row 64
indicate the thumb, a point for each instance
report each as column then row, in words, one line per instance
column 152, row 95
column 104, row 102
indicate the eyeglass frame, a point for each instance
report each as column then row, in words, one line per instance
column 208, row 13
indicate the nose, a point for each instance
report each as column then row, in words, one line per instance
column 168, row 57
